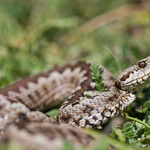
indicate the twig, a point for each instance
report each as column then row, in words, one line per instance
column 139, row 121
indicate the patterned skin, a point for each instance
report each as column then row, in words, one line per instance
column 94, row 111
column 23, row 102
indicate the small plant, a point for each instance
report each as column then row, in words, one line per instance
column 129, row 133
column 97, row 76
column 136, row 132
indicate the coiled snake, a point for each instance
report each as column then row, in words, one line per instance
column 23, row 102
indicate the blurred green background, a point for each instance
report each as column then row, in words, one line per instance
column 38, row 35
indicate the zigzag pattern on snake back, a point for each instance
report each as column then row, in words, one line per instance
column 23, row 102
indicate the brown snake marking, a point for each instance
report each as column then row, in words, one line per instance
column 22, row 102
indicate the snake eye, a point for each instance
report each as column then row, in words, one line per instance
column 142, row 64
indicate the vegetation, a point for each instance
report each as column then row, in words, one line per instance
column 97, row 76
column 38, row 35
column 135, row 133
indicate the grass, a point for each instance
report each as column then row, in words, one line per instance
column 38, row 35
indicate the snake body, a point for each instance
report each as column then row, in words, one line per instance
column 23, row 102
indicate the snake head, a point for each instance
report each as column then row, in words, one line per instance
column 134, row 78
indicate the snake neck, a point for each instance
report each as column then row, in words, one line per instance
column 124, row 99
column 94, row 111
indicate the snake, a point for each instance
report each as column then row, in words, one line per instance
column 24, row 102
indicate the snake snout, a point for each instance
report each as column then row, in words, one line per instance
column 134, row 78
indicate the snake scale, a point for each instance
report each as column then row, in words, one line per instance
column 23, row 102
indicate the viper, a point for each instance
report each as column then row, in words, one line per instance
column 23, row 103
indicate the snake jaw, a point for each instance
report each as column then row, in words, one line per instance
column 134, row 78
